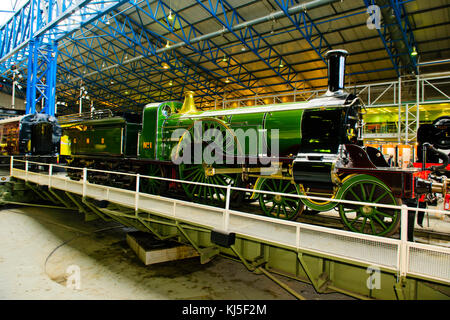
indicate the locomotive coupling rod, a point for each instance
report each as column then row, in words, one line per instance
column 274, row 170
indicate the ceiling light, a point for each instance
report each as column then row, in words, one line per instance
column 281, row 65
column 170, row 83
column 243, row 48
column 227, row 80
column 414, row 52
column 170, row 17
column 225, row 59
column 165, row 65
column 167, row 44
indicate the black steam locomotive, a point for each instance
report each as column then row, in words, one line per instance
column 32, row 135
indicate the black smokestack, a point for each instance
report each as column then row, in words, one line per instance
column 336, row 71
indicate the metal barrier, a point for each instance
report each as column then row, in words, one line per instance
column 399, row 255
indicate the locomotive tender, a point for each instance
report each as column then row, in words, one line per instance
column 311, row 148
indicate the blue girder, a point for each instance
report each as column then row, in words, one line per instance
column 29, row 38
column 223, row 12
column 396, row 34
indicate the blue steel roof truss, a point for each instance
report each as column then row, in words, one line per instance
column 251, row 39
column 158, row 11
column 308, row 29
column 116, row 31
column 402, row 24
column 36, row 26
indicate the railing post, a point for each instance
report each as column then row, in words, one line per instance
column 11, row 166
column 136, row 197
column 403, row 254
column 26, row 170
column 50, row 172
column 226, row 218
column 84, row 181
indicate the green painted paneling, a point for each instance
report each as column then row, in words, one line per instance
column 246, row 128
column 111, row 136
column 131, row 138
column 288, row 124
column 147, row 139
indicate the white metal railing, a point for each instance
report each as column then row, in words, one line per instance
column 399, row 255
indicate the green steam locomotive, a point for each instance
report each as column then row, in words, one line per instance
column 312, row 148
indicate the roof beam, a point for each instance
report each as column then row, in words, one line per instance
column 396, row 34
column 308, row 29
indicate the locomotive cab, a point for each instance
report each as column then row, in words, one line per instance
column 326, row 130
column 322, row 150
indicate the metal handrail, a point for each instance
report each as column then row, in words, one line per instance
column 399, row 207
column 402, row 244
column 97, row 114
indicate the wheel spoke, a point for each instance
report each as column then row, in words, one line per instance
column 194, row 188
column 270, row 188
column 284, row 210
column 204, row 187
column 381, row 197
column 293, row 209
column 363, row 191
column 376, row 223
column 372, row 227
column 284, row 207
column 274, row 185
column 363, row 225
column 358, row 215
column 371, row 193
column 382, row 213
column 271, row 209
column 219, row 181
column 354, row 194
column 284, row 189
column 190, row 175
column 380, row 222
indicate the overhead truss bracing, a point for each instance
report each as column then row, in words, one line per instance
column 140, row 48
column 396, row 33
column 130, row 53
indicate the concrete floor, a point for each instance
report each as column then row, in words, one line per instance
column 109, row 269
